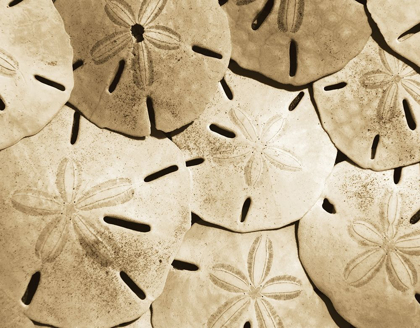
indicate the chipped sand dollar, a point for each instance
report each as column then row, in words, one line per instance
column 264, row 148
column 361, row 246
column 296, row 41
column 371, row 108
column 97, row 222
column 35, row 68
column 135, row 57
column 399, row 23
column 259, row 280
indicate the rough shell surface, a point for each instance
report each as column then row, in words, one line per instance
column 151, row 44
column 399, row 23
column 372, row 112
column 364, row 254
column 279, row 158
column 34, row 51
column 326, row 35
column 259, row 280
column 87, row 220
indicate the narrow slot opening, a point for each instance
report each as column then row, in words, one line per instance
column 397, row 174
column 295, row 102
column 117, row 76
column 130, row 225
column 222, row 2
column 245, row 209
column 222, row 131
column 77, row 64
column 409, row 33
column 161, row 173
column 374, row 147
column 132, row 285
column 31, row 289
column 2, row 105
column 328, row 206
column 181, row 265
column 409, row 115
column 14, row 2
column 226, row 89
column 247, row 324
column 206, row 52
column 75, row 128
column 50, row 83
column 336, row 86
column 194, row 162
column 262, row 15
column 151, row 112
column 417, row 296
column 293, row 58
column 415, row 218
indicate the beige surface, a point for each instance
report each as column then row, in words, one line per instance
column 163, row 66
column 144, row 322
column 328, row 34
column 372, row 104
column 54, row 197
column 255, row 277
column 365, row 257
column 394, row 19
column 278, row 158
column 32, row 42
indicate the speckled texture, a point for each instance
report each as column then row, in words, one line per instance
column 278, row 158
column 259, row 280
column 372, row 104
column 179, row 81
column 328, row 34
column 54, row 198
column 32, row 42
column 365, row 257
column 394, row 19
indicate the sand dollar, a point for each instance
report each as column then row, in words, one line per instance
column 135, row 59
column 360, row 244
column 35, row 68
column 97, row 222
column 296, row 41
column 258, row 161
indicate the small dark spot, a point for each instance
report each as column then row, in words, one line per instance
column 222, row 131
column 194, row 162
column 206, row 52
column 245, row 209
column 31, row 289
column 415, row 218
column 2, row 105
column 181, row 265
column 296, row 101
column 137, row 32
column 397, row 174
column 328, row 207
column 335, row 86
column 77, row 64
column 161, row 173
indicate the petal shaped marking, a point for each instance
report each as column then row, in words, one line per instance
column 260, row 260
column 272, row 129
column 267, row 316
column 35, row 202
column 232, row 154
column 282, row 288
column 375, row 79
column 150, row 10
column 290, row 15
column 67, row 180
column 8, row 65
column 52, row 239
column 110, row 46
column 142, row 66
column 388, row 102
column 413, row 88
column 367, row 232
column 409, row 243
column 407, row 71
column 401, row 272
column 110, row 193
column 390, row 62
column 392, row 213
column 229, row 278
column 229, row 312
column 120, row 13
column 253, row 170
column 282, row 159
column 361, row 269
column 243, row 123
column 162, row 37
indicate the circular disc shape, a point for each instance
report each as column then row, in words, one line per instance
column 296, row 41
column 259, row 280
column 96, row 223
column 362, row 250
column 264, row 164
column 371, row 108
column 137, row 59
column 399, row 23
column 35, row 68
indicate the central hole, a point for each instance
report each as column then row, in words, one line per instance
column 137, row 31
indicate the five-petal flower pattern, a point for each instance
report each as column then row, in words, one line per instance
column 385, row 245
column 261, row 147
column 253, row 288
column 70, row 208
column 395, row 75
column 138, row 34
